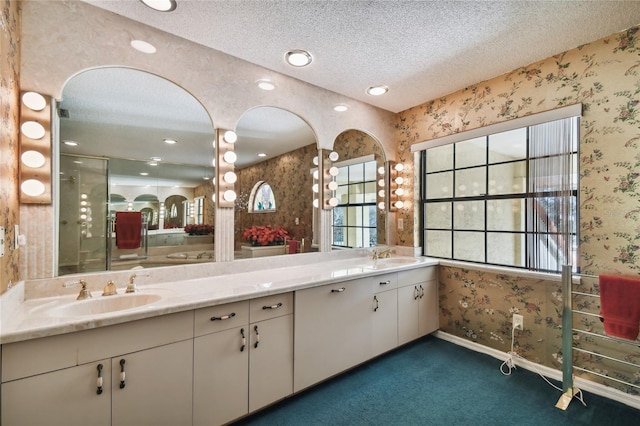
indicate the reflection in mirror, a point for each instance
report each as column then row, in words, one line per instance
column 287, row 145
column 132, row 142
column 357, row 221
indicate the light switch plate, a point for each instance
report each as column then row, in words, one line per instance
column 1, row 241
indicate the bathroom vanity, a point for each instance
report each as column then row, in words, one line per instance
column 208, row 350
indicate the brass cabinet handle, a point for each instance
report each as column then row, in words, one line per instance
column 375, row 299
column 244, row 340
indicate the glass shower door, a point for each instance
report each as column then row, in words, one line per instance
column 83, row 209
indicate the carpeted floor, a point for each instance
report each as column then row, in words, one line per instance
column 434, row 382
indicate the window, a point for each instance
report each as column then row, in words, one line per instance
column 504, row 199
column 198, row 213
column 355, row 217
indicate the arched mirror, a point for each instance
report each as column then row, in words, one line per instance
column 275, row 147
column 132, row 142
column 357, row 221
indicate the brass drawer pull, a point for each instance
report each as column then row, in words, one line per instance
column 273, row 306
column 224, row 317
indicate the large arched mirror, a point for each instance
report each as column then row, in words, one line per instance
column 130, row 141
column 356, row 220
column 275, row 150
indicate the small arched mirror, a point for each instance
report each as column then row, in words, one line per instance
column 357, row 220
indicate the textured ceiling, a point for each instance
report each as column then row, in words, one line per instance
column 421, row 50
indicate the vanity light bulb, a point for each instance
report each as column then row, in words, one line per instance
column 83, row 203
column 230, row 157
column 229, row 195
column 83, row 216
column 333, row 156
column 381, row 205
column 333, row 202
column 315, row 188
column 315, row 174
column 381, row 171
column 83, row 209
column 33, row 159
column 230, row 136
column 398, row 204
column 33, row 130
column 316, row 203
column 399, row 180
column 84, row 196
column 381, row 193
column 32, row 187
column 333, row 185
column 230, row 177
column 381, row 183
column 399, row 167
column 34, row 101
column 315, row 160
column 333, row 171
column 399, row 192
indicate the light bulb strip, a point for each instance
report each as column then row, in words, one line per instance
column 226, row 177
column 396, row 190
column 35, row 151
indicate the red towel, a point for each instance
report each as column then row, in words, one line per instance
column 293, row 246
column 128, row 230
column 620, row 306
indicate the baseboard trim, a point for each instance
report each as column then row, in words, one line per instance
column 583, row 384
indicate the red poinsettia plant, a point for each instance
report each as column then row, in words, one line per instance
column 198, row 229
column 265, row 235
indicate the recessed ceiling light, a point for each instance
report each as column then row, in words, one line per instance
column 143, row 46
column 70, row 143
column 144, row 174
column 156, row 159
column 377, row 90
column 340, row 108
column 262, row 154
column 152, row 163
column 298, row 58
column 170, row 141
column 161, row 5
column 266, row 85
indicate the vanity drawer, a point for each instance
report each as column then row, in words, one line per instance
column 415, row 276
column 224, row 317
column 36, row 356
column 271, row 307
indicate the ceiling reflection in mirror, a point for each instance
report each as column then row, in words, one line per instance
column 132, row 142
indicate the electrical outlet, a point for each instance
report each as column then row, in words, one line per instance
column 518, row 321
column 400, row 224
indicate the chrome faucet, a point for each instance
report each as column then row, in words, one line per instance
column 110, row 289
column 131, row 287
column 386, row 253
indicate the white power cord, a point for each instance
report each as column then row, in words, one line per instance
column 509, row 365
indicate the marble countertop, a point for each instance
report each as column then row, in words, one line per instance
column 29, row 318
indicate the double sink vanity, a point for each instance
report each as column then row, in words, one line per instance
column 209, row 349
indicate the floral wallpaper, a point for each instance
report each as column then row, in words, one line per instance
column 605, row 77
column 290, row 179
column 9, row 96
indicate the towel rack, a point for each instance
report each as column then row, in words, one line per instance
column 111, row 223
column 584, row 340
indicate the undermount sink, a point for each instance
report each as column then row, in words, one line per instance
column 390, row 262
column 105, row 304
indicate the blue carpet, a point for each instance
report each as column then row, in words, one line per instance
column 434, row 382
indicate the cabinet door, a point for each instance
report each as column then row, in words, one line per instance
column 429, row 315
column 384, row 322
column 63, row 397
column 332, row 331
column 157, row 387
column 270, row 361
column 221, row 377
column 408, row 313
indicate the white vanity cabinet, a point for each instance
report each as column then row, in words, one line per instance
column 54, row 380
column 337, row 327
column 243, row 357
column 417, row 303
